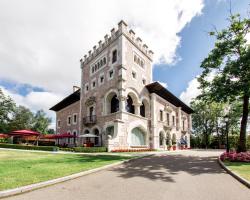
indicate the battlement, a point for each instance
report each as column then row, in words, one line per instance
column 108, row 39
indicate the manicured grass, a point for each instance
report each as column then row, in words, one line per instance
column 19, row 168
column 243, row 169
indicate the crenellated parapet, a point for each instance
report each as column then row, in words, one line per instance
column 114, row 34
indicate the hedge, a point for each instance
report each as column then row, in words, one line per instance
column 26, row 147
column 90, row 149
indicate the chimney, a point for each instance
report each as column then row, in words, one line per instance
column 75, row 88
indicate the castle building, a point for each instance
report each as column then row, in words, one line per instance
column 118, row 105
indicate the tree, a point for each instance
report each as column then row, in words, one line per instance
column 41, row 122
column 22, row 119
column 7, row 107
column 205, row 119
column 229, row 63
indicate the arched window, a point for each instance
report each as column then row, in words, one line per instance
column 114, row 104
column 129, row 105
column 138, row 137
column 104, row 60
column 168, row 139
column 142, row 110
column 86, row 131
column 101, row 63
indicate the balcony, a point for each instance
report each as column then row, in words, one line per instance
column 89, row 120
column 167, row 126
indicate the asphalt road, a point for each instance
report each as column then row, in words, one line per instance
column 193, row 175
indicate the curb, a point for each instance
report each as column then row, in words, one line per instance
column 235, row 175
column 28, row 188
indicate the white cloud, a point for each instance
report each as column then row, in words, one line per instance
column 191, row 91
column 42, row 41
column 36, row 101
column 165, row 85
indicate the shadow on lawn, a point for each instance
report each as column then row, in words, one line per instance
column 164, row 167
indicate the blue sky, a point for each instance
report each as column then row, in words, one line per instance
column 196, row 44
column 42, row 42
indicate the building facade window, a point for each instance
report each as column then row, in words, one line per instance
column 69, row 120
column 173, row 120
column 111, row 74
column 134, row 74
column 114, row 56
column 75, row 119
column 98, row 65
column 168, row 122
column 138, row 60
column 161, row 115
column 86, row 87
column 144, row 81
column 58, row 124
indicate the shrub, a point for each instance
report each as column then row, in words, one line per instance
column 235, row 157
column 67, row 149
column 132, row 150
column 27, row 147
column 90, row 149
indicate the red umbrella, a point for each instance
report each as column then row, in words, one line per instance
column 24, row 133
column 64, row 135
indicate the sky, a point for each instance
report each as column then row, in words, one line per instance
column 42, row 41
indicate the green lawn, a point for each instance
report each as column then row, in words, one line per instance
column 243, row 169
column 18, row 168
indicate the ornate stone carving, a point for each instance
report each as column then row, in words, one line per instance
column 90, row 101
column 168, row 108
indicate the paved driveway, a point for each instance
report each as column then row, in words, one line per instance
column 193, row 175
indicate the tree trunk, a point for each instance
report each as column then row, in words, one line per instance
column 243, row 125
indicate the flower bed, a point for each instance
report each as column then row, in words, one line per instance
column 235, row 157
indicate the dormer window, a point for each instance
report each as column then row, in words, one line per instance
column 114, row 56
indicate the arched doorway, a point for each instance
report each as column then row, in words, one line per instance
column 97, row 139
column 138, row 137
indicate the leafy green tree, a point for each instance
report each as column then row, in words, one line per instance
column 7, row 107
column 229, row 62
column 205, row 119
column 21, row 119
column 41, row 122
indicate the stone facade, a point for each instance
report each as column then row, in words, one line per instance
column 115, row 104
